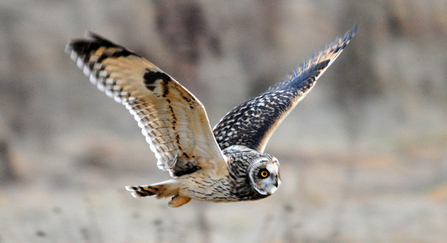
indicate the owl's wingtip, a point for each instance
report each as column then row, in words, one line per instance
column 353, row 31
column 355, row 28
column 350, row 33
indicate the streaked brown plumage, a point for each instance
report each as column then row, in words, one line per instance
column 224, row 165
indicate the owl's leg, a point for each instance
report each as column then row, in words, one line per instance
column 163, row 189
column 178, row 201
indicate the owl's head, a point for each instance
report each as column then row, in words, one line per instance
column 264, row 175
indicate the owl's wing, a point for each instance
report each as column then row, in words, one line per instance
column 252, row 123
column 173, row 121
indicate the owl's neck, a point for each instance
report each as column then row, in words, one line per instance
column 240, row 158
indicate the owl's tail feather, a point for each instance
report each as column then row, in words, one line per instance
column 163, row 189
column 159, row 190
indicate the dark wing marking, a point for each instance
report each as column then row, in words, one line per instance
column 173, row 121
column 252, row 123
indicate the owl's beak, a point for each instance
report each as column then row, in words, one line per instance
column 278, row 181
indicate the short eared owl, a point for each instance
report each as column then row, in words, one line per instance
column 224, row 164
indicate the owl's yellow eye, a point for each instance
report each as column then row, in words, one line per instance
column 264, row 173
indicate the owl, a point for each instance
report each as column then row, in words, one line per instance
column 223, row 164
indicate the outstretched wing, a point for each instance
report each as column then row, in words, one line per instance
column 173, row 121
column 252, row 123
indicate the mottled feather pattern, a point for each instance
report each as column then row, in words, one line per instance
column 252, row 123
column 233, row 186
column 226, row 165
column 173, row 121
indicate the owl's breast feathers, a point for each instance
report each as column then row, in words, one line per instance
column 232, row 186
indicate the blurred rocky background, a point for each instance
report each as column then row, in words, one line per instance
column 364, row 156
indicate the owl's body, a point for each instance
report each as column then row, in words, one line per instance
column 226, row 164
column 229, row 186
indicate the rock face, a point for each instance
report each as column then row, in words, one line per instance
column 363, row 156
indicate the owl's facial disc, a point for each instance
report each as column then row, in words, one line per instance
column 264, row 176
